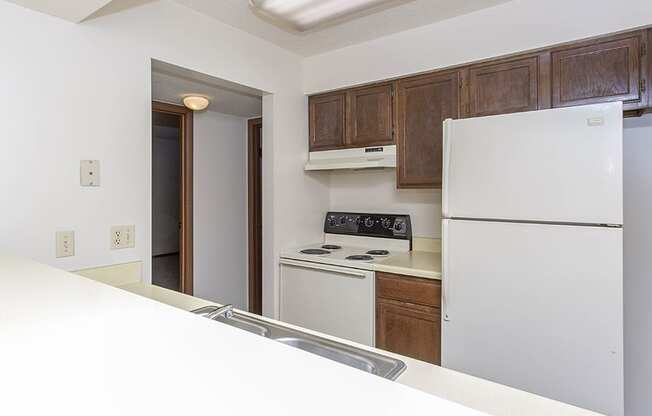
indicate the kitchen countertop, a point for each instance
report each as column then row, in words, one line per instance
column 73, row 346
column 424, row 264
column 476, row 393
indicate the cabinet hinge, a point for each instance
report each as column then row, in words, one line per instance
column 643, row 85
column 644, row 49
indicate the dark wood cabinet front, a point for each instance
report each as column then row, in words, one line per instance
column 601, row 71
column 422, row 104
column 409, row 111
column 501, row 87
column 327, row 115
column 370, row 116
column 408, row 316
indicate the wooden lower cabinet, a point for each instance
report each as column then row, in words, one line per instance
column 407, row 323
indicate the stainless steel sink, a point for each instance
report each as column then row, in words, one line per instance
column 371, row 362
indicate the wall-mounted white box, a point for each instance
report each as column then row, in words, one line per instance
column 89, row 173
column 65, row 246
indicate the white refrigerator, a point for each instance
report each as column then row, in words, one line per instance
column 532, row 252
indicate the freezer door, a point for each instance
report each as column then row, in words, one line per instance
column 536, row 307
column 559, row 165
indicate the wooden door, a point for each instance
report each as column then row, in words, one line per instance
column 410, row 330
column 601, row 71
column 504, row 86
column 422, row 104
column 327, row 120
column 255, row 215
column 370, row 116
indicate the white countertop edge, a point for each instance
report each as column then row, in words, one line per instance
column 473, row 392
column 89, row 347
column 407, row 271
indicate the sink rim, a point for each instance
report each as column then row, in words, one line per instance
column 385, row 366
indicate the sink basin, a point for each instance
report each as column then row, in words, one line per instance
column 371, row 362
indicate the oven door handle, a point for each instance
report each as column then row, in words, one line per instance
column 341, row 270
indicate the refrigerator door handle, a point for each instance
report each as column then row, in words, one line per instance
column 445, row 275
column 447, row 148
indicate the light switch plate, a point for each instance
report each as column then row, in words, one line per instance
column 65, row 243
column 89, row 172
column 123, row 236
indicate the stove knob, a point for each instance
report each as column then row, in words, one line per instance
column 343, row 220
column 399, row 226
column 387, row 223
column 332, row 222
column 369, row 222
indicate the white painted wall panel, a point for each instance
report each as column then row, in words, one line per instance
column 637, row 149
column 511, row 27
column 83, row 92
column 220, row 210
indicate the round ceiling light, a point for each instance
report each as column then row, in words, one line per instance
column 196, row 102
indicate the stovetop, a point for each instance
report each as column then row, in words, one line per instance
column 348, row 256
column 357, row 240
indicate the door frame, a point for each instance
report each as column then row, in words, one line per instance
column 254, row 214
column 186, row 197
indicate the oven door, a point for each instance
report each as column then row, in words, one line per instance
column 334, row 300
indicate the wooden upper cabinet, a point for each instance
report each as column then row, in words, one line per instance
column 370, row 116
column 505, row 86
column 327, row 121
column 422, row 104
column 601, row 70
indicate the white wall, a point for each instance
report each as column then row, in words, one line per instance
column 220, row 209
column 166, row 168
column 511, row 27
column 637, row 230
column 375, row 191
column 83, row 92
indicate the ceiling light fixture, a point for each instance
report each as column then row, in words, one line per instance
column 196, row 102
column 303, row 15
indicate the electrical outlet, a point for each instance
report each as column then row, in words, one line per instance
column 123, row 236
column 65, row 243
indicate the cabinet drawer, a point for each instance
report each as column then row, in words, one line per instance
column 408, row 289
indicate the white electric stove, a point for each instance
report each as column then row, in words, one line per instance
column 329, row 286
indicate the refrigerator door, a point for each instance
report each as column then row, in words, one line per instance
column 537, row 307
column 559, row 165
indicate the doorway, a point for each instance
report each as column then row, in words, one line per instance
column 172, row 157
column 255, row 154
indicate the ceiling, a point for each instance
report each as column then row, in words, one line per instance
column 171, row 83
column 73, row 10
column 385, row 22
column 395, row 16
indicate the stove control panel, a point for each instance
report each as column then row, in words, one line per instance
column 370, row 225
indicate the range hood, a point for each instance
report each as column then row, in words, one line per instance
column 358, row 158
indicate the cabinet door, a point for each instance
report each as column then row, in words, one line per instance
column 410, row 330
column 327, row 121
column 423, row 103
column 370, row 116
column 600, row 71
column 505, row 86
